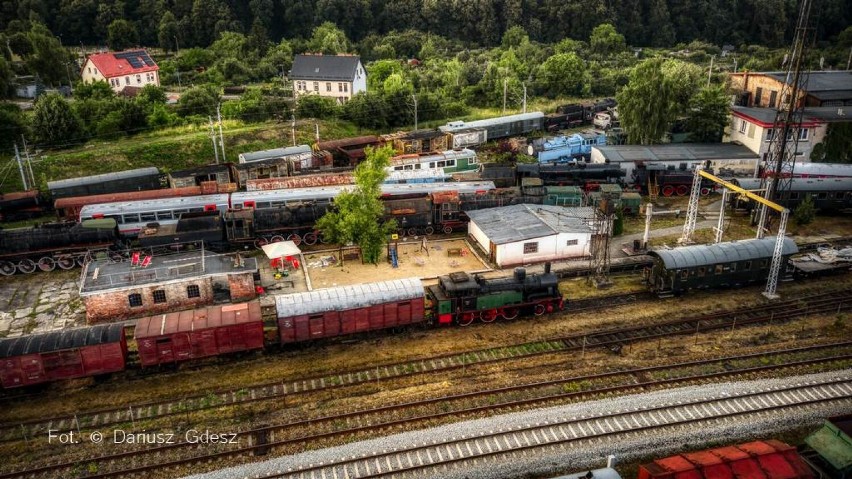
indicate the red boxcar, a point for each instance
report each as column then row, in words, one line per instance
column 325, row 313
column 759, row 460
column 199, row 333
column 68, row 354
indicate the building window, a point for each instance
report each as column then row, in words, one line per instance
column 192, row 291
column 345, row 88
column 803, row 134
column 530, row 248
column 138, row 78
column 90, row 69
column 135, row 300
column 770, row 133
column 743, row 124
column 327, row 86
column 316, row 86
column 340, row 87
column 572, row 242
column 96, row 71
column 758, row 95
column 127, row 80
column 159, row 296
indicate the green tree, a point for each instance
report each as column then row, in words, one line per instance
column 14, row 124
column 99, row 90
column 167, row 32
column 315, row 106
column 122, row 35
column 54, row 123
column 646, row 104
column 805, row 212
column 837, row 145
column 329, row 40
column 151, row 95
column 515, row 37
column 367, row 109
column 562, row 74
column 357, row 216
column 199, row 100
column 47, row 58
column 605, row 40
column 7, row 78
column 685, row 79
column 708, row 115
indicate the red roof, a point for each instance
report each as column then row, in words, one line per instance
column 114, row 64
column 755, row 460
column 197, row 319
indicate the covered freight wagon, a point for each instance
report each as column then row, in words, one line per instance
column 326, row 313
column 67, row 354
column 198, row 333
column 131, row 180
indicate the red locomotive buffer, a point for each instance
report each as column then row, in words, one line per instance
column 68, row 354
column 199, row 333
column 351, row 309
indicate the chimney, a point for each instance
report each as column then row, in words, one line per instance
column 547, row 268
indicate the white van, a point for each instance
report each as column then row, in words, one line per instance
column 602, row 121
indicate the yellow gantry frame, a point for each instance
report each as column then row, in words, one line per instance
column 733, row 187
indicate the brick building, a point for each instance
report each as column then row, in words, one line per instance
column 118, row 291
column 822, row 89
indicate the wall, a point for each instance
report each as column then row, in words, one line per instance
column 90, row 73
column 474, row 232
column 360, row 83
column 241, row 286
column 340, row 96
column 554, row 247
column 112, row 306
column 755, row 138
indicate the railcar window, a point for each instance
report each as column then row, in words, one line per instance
column 135, row 300
column 130, row 218
column 747, row 266
column 719, row 269
column 164, row 215
column 431, row 164
column 572, row 242
column 159, row 296
column 193, row 291
column 451, row 162
column 764, row 263
column 839, row 195
column 822, row 195
column 733, row 267
column 531, row 247
column 684, row 274
column 794, row 195
column 148, row 216
column 702, row 271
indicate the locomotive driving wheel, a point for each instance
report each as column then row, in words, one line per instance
column 296, row 239
column 26, row 266
column 466, row 319
column 540, row 309
column 509, row 313
column 65, row 262
column 310, row 239
column 668, row 190
column 489, row 316
column 682, row 190
column 260, row 243
column 447, row 230
column 46, row 264
column 276, row 239
column 7, row 268
column 429, row 231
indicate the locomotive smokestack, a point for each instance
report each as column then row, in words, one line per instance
column 547, row 268
column 520, row 274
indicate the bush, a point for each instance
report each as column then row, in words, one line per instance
column 315, row 106
column 805, row 212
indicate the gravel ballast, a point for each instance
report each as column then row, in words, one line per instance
column 589, row 456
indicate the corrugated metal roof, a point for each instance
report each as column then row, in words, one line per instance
column 348, row 297
column 823, row 81
column 675, row 152
column 833, row 442
column 197, row 319
column 59, row 340
column 90, row 180
column 802, row 184
column 162, row 204
column 324, row 67
column 328, row 192
column 508, row 224
column 461, row 125
column 703, row 255
column 275, row 153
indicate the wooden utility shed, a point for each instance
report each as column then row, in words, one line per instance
column 325, row 313
column 199, row 333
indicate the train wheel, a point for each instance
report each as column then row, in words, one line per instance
column 668, row 190
column 682, row 190
column 489, row 316
column 412, row 231
column 310, row 239
column 705, row 191
column 539, row 309
column 65, row 262
column 46, row 264
column 466, row 319
column 7, row 268
column 429, row 230
column 260, row 243
column 296, row 239
column 26, row 266
column 509, row 313
column 276, row 239
column 447, row 230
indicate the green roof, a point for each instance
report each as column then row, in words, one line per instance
column 833, row 443
column 102, row 223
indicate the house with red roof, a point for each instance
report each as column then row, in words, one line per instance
column 130, row 68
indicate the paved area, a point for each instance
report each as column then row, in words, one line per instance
column 40, row 302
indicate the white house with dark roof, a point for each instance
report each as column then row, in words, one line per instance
column 524, row 234
column 334, row 76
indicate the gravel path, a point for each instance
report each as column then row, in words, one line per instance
column 589, row 457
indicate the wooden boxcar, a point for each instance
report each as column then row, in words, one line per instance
column 728, row 264
column 198, row 333
column 326, row 313
column 68, row 354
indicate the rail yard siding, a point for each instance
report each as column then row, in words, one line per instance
column 112, row 306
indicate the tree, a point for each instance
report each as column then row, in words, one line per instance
column 122, row 35
column 837, row 145
column 99, row 90
column 646, row 104
column 562, row 74
column 367, row 109
column 7, row 78
column 47, row 58
column 605, row 40
column 54, row 123
column 315, row 106
column 329, row 40
column 805, row 212
column 357, row 216
column 199, row 100
column 151, row 95
column 168, row 32
column 14, row 124
column 708, row 115
column 515, row 37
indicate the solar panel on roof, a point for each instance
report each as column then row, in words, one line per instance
column 147, row 59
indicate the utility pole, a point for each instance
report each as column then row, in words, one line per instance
column 221, row 139
column 293, row 128
column 316, row 125
column 213, row 137
column 21, row 168
column 177, row 67
column 525, row 97
column 413, row 97
column 848, row 60
column 505, row 89
column 29, row 162
column 710, row 73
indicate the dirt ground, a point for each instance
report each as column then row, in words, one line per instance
column 325, row 271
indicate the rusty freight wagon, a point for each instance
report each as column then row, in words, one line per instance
column 199, row 333
column 326, row 313
column 58, row 355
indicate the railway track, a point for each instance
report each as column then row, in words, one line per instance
column 385, row 419
column 776, row 312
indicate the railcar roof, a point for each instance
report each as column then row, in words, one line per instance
column 274, row 153
column 60, row 340
column 324, row 192
column 348, row 297
column 705, row 255
column 154, row 204
column 802, row 184
column 675, row 152
column 198, row 319
column 90, row 180
column 460, row 125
